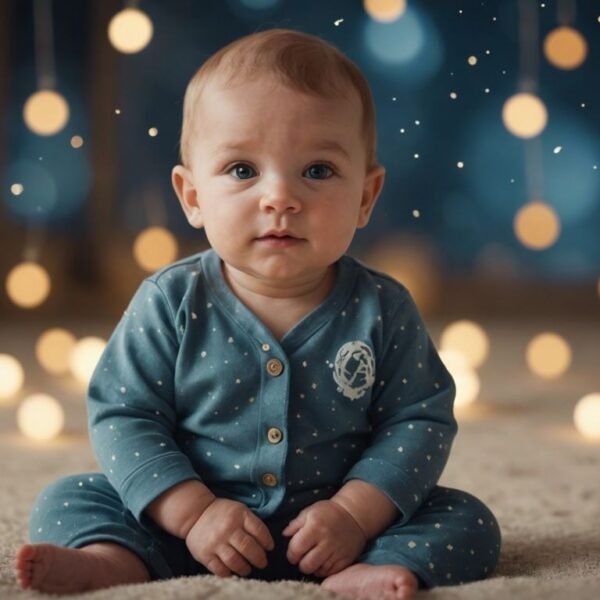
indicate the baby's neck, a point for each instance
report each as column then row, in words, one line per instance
column 280, row 307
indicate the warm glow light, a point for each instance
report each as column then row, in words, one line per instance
column 85, row 356
column 53, row 350
column 472, row 60
column 28, row 284
column 385, row 11
column 130, row 30
column 11, row 376
column 548, row 355
column 154, row 248
column 40, row 417
column 565, row 48
column 587, row 416
column 152, row 132
column 76, row 141
column 465, row 378
column 46, row 112
column 536, row 225
column 467, row 338
column 524, row 115
column 16, row 189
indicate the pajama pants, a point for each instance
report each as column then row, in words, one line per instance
column 452, row 538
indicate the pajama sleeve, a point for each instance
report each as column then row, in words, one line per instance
column 131, row 403
column 411, row 413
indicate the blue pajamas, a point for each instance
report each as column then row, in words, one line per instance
column 193, row 386
column 452, row 538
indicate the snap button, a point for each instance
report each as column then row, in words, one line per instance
column 266, row 347
column 274, row 367
column 274, row 435
column 269, row 479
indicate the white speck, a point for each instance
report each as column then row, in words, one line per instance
column 65, row 504
column 431, row 565
column 460, row 164
column 80, row 484
column 237, row 466
column 314, row 386
column 487, row 90
column 194, row 316
column 412, row 544
column 337, row 22
column 557, row 149
column 437, row 525
column 405, row 381
column 155, row 475
column 480, row 521
column 411, row 426
column 583, row 103
column 209, row 453
column 429, row 457
column 123, row 390
column 221, row 438
column 416, row 213
column 453, row 95
column 394, row 98
column 209, row 305
column 203, row 353
column 417, row 122
column 402, row 130
column 304, row 363
column 136, row 453
column 251, row 400
column 141, row 330
column 400, row 449
column 416, row 155
column 238, row 381
column 58, row 523
column 113, row 457
column 159, row 382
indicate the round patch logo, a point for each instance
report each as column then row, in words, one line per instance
column 354, row 369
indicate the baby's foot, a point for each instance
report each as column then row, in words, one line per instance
column 370, row 582
column 57, row 570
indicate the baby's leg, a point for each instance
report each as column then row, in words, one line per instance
column 82, row 537
column 452, row 538
column 57, row 570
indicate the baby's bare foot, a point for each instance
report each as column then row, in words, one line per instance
column 370, row 582
column 58, row 570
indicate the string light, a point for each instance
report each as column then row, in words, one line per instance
column 46, row 112
column 85, row 356
column 466, row 379
column 130, row 30
column 154, row 248
column 11, row 377
column 467, row 338
column 385, row 11
column 40, row 417
column 524, row 115
column 565, row 48
column 537, row 226
column 53, row 350
column 587, row 416
column 548, row 355
column 28, row 284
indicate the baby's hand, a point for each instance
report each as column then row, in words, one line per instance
column 228, row 538
column 325, row 539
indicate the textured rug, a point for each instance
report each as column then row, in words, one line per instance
column 516, row 449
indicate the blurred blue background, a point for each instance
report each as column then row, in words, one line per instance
column 434, row 110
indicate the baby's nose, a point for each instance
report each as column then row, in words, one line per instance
column 278, row 196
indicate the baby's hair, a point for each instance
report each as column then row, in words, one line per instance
column 298, row 60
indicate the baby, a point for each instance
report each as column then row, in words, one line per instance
column 270, row 408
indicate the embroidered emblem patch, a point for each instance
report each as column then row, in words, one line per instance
column 354, row 369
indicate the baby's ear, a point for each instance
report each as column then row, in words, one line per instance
column 183, row 184
column 371, row 190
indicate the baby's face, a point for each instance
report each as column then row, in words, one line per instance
column 277, row 178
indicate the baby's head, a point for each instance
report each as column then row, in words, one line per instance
column 299, row 61
column 278, row 153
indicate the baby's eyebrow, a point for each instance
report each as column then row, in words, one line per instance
column 332, row 145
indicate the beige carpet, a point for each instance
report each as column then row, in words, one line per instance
column 517, row 450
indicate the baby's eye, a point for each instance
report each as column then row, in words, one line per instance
column 241, row 170
column 317, row 171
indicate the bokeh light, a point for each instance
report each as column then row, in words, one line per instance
column 76, row 141
column 469, row 339
column 385, row 11
column 466, row 379
column 154, row 248
column 11, row 376
column 85, row 356
column 587, row 416
column 16, row 189
column 524, row 115
column 548, row 355
column 130, row 30
column 536, row 225
column 46, row 112
column 565, row 48
column 53, row 350
column 40, row 417
column 28, row 284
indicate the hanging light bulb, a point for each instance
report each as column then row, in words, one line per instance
column 130, row 30
column 11, row 376
column 40, row 417
column 28, row 284
column 565, row 48
column 536, row 225
column 524, row 115
column 154, row 248
column 46, row 112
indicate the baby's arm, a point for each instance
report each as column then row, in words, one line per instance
column 223, row 535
